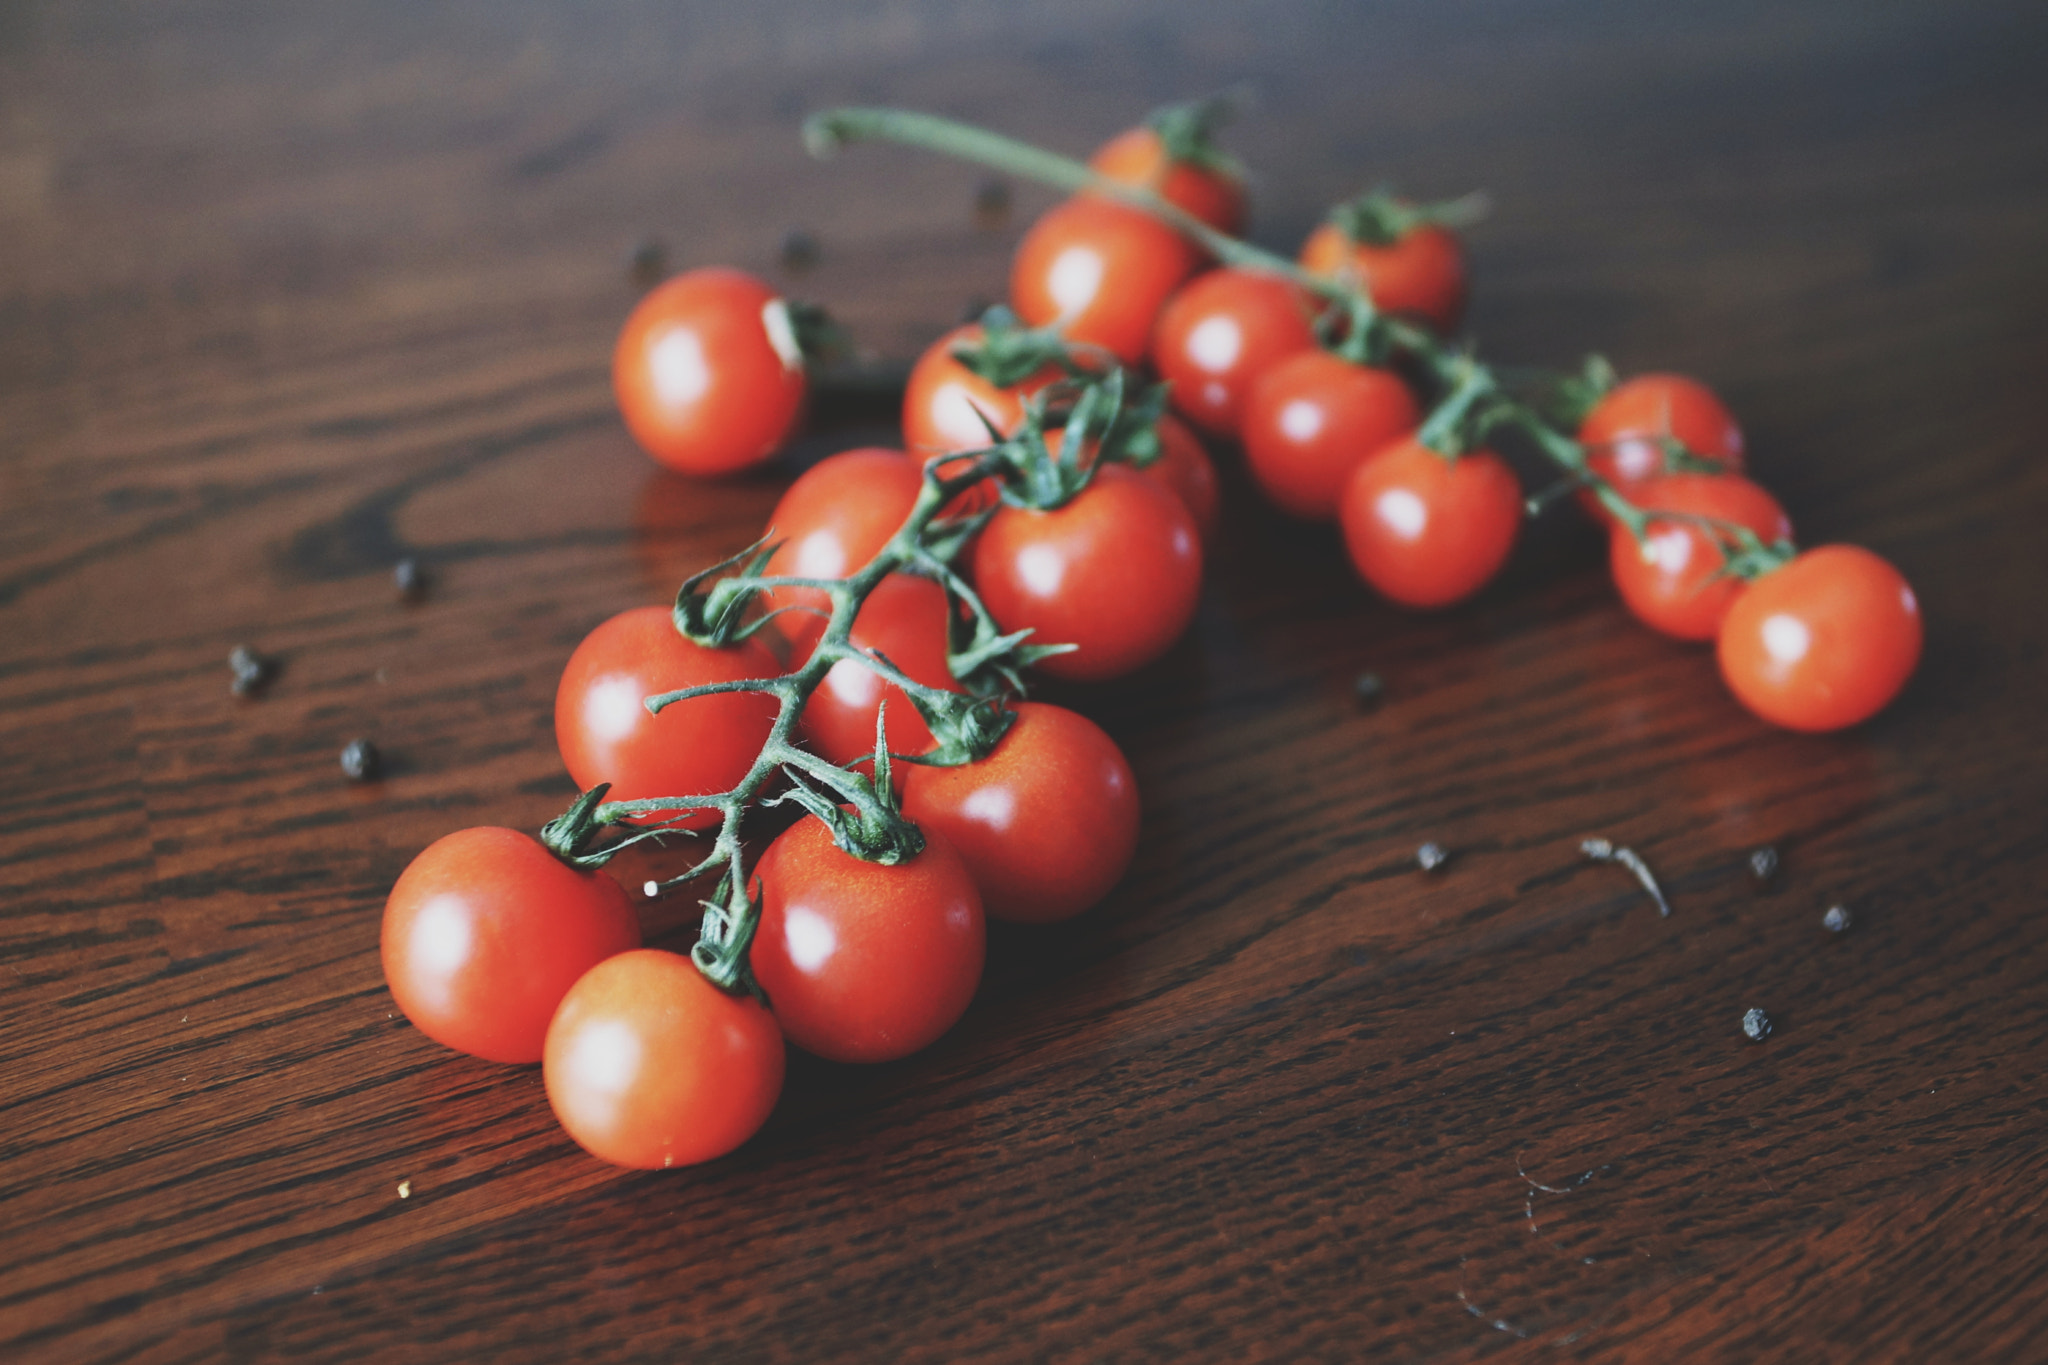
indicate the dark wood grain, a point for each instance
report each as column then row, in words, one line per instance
column 288, row 294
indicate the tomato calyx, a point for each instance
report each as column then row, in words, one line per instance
column 1041, row 481
column 713, row 611
column 860, row 811
column 1187, row 132
column 1566, row 399
column 1007, row 353
column 1472, row 408
column 1381, row 218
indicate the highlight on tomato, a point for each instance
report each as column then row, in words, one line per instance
column 708, row 372
column 1100, row 272
column 486, row 930
column 1312, row 420
column 696, row 747
column 649, row 1065
column 1221, row 333
column 1676, row 578
column 1047, row 822
column 1824, row 642
column 864, row 962
column 1115, row 572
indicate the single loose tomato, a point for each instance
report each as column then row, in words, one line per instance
column 1625, row 431
column 834, row 519
column 944, row 401
column 1115, row 572
column 698, row 747
column 1221, row 333
column 1047, row 822
column 708, row 373
column 861, row 962
column 1139, row 157
column 1100, row 271
column 649, row 1065
column 1420, row 274
column 486, row 930
column 905, row 620
column 1824, row 642
column 1668, row 579
column 1427, row 530
column 1312, row 420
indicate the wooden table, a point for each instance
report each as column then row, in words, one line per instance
column 285, row 297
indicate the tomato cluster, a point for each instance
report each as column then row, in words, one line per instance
column 1045, row 515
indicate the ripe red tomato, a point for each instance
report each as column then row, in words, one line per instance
column 1669, row 579
column 486, row 930
column 905, row 619
column 708, row 373
column 1624, row 432
column 835, row 518
column 649, row 1065
column 1824, row 642
column 1115, row 572
column 1101, row 271
column 1139, row 157
column 1312, row 420
column 1184, row 466
column 861, row 962
column 1427, row 531
column 698, row 747
column 1420, row 274
column 942, row 397
column 1047, row 822
column 1221, row 333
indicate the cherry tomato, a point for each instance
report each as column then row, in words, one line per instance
column 1824, row 642
column 486, row 930
column 861, row 962
column 1220, row 333
column 1669, row 579
column 1116, row 572
column 1421, row 274
column 835, row 518
column 904, row 619
column 1312, row 420
column 708, row 373
column 942, row 398
column 649, row 1065
column 1139, row 157
column 698, row 747
column 1047, row 822
column 1184, row 466
column 1624, row 433
column 1427, row 531
column 1101, row 271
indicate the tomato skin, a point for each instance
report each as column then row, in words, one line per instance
column 1824, row 642
column 1184, row 467
column 1115, row 572
column 697, row 747
column 865, row 963
column 942, row 396
column 1668, row 580
column 1138, row 157
column 1312, row 420
column 1419, row 275
column 1624, row 432
column 1426, row 531
column 1047, row 822
column 833, row 519
column 707, row 372
column 649, row 1065
column 905, row 619
column 486, row 930
column 1101, row 271
column 1220, row 333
